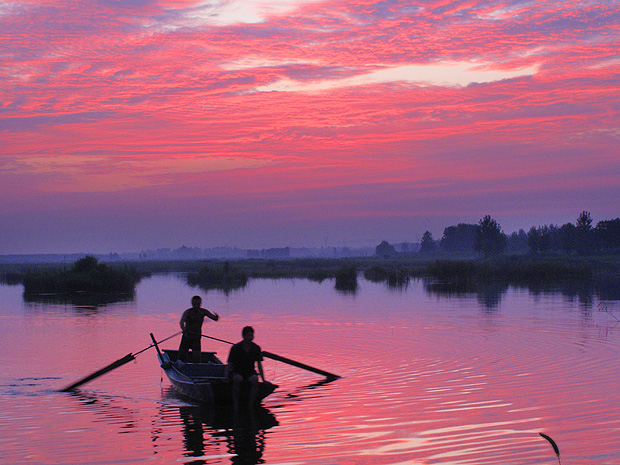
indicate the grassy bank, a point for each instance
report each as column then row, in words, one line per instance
column 521, row 269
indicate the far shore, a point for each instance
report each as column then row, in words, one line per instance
column 518, row 268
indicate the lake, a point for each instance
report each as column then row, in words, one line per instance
column 427, row 378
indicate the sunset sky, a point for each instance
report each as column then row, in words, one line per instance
column 135, row 124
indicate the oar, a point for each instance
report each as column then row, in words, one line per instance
column 120, row 362
column 279, row 358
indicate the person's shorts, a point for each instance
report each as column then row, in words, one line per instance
column 245, row 376
column 187, row 344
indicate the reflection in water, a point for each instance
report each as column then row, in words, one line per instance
column 490, row 293
column 426, row 379
column 81, row 300
column 207, row 430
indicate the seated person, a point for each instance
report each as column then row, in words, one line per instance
column 241, row 360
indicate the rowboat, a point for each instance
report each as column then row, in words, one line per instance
column 205, row 381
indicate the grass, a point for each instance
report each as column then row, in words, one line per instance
column 537, row 273
column 86, row 275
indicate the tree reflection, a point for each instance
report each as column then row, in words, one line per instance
column 80, row 300
column 489, row 293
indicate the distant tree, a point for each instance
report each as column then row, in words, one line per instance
column 385, row 250
column 517, row 242
column 567, row 238
column 584, row 221
column 533, row 240
column 585, row 234
column 542, row 239
column 608, row 234
column 458, row 238
column 427, row 244
column 490, row 240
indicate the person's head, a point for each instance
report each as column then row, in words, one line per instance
column 247, row 333
column 196, row 301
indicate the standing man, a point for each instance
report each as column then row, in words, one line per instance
column 191, row 324
column 243, row 355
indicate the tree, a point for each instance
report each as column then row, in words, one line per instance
column 427, row 244
column 490, row 240
column 533, row 239
column 585, row 234
column 584, row 221
column 458, row 238
column 567, row 237
column 518, row 242
column 608, row 233
column 542, row 239
column 385, row 250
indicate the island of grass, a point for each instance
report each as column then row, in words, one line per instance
column 86, row 275
column 220, row 276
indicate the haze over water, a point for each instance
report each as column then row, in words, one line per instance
column 426, row 379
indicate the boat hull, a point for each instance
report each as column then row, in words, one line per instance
column 205, row 381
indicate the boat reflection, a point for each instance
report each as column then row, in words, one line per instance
column 209, row 432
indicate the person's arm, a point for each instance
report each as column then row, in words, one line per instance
column 183, row 321
column 259, row 364
column 214, row 316
column 230, row 367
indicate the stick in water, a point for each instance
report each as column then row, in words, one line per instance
column 553, row 444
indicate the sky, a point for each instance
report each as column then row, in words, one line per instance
column 128, row 125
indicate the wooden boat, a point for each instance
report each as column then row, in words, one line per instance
column 205, row 381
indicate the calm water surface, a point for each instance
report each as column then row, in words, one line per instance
column 426, row 379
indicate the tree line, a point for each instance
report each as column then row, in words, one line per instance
column 487, row 238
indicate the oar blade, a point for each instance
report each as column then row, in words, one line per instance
column 121, row 361
column 303, row 366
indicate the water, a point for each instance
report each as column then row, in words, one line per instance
column 427, row 379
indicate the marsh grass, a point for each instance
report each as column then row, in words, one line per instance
column 221, row 276
column 86, row 275
column 346, row 277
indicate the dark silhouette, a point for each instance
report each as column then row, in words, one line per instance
column 86, row 275
column 346, row 278
column 489, row 240
column 427, row 244
column 242, row 359
column 585, row 233
column 221, row 276
column 385, row 250
column 458, row 238
column 191, row 324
